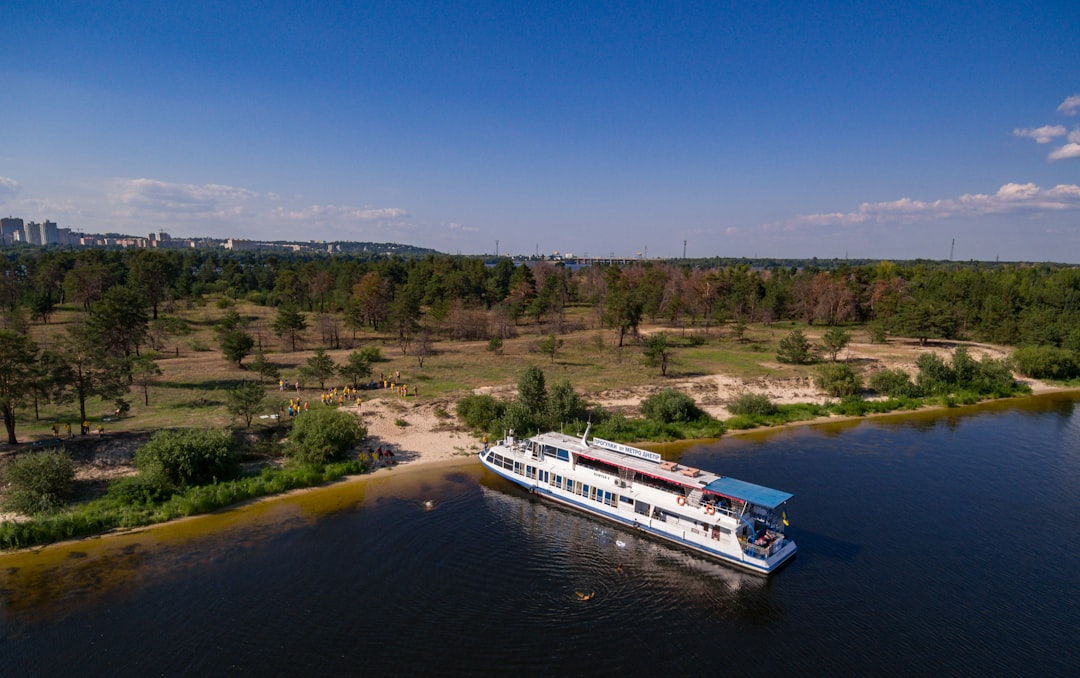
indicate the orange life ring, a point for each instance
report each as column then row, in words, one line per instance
column 710, row 509
column 682, row 501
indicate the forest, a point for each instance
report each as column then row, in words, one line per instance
column 461, row 297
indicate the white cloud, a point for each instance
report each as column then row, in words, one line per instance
column 162, row 197
column 1070, row 106
column 1074, row 136
column 337, row 213
column 1041, row 135
column 1067, row 151
column 238, row 211
column 453, row 226
column 8, row 188
column 1010, row 198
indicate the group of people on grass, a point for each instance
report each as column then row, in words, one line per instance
column 84, row 430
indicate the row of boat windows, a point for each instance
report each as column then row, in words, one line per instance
column 576, row 487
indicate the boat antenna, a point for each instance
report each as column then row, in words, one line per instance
column 584, row 436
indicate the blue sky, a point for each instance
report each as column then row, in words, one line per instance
column 747, row 128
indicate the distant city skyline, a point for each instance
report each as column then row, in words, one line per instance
column 750, row 129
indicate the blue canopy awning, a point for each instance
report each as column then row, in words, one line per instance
column 748, row 492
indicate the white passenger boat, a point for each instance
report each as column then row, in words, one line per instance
column 737, row 522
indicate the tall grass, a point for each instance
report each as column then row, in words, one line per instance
column 111, row 512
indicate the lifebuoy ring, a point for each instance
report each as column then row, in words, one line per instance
column 682, row 501
column 710, row 509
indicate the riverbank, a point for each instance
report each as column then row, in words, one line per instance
column 420, row 433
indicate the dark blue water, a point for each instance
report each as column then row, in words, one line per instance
column 936, row 543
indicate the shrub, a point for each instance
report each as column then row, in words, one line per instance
column 935, row 377
column 480, row 411
column 752, row 404
column 839, row 380
column 186, row 457
column 564, row 404
column 40, row 481
column 1046, row 362
column 135, row 490
column 517, row 417
column 670, row 406
column 894, row 384
column 372, row 354
column 795, row 348
column 324, row 434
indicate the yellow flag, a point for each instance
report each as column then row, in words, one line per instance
column 783, row 515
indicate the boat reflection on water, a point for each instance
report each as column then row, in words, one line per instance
column 609, row 560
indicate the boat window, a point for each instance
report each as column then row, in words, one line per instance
column 625, row 499
column 569, row 485
column 585, row 490
column 517, row 467
column 563, row 455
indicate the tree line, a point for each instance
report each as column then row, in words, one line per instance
column 125, row 297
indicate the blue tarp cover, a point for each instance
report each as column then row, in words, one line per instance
column 755, row 494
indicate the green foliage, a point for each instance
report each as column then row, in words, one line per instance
column 1046, row 362
column 39, row 482
column 620, row 428
column 532, row 391
column 520, row 418
column 373, row 354
column 174, row 459
column 356, row 368
column 18, row 376
column 835, row 340
column 245, row 401
column 236, row 344
column 495, row 345
column 264, row 368
column 670, row 406
column 323, row 435
column 319, row 367
column 550, row 346
column 564, row 404
column 752, row 404
column 131, row 502
column 935, row 376
column 657, row 351
column 288, row 324
column 137, row 489
column 893, row 383
column 839, row 380
column 795, row 349
column 480, row 411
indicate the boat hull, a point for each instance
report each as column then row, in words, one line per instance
column 649, row 526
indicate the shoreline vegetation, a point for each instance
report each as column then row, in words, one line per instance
column 150, row 386
column 421, row 443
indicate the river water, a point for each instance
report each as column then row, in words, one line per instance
column 941, row 543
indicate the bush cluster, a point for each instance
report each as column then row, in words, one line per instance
column 323, row 435
column 752, row 405
column 39, row 482
column 1046, row 362
column 670, row 407
column 175, row 459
